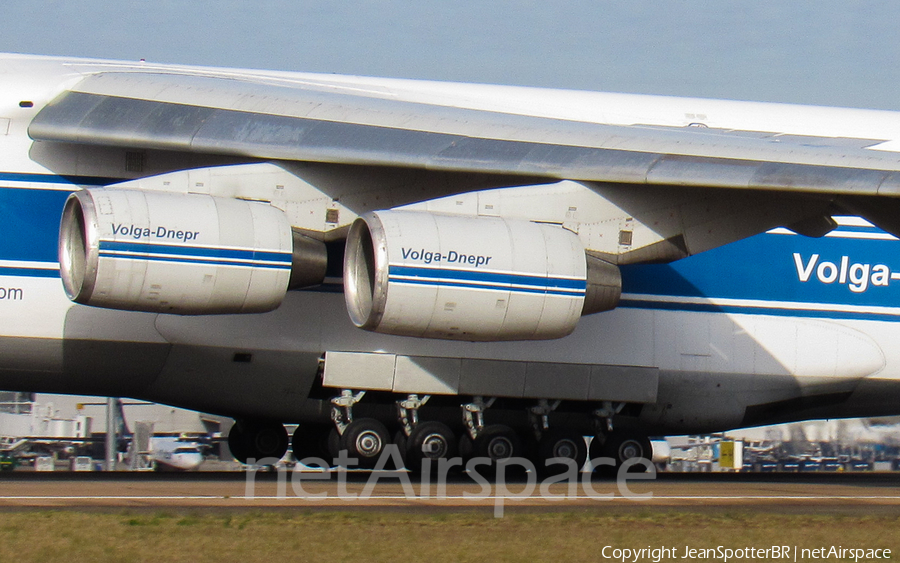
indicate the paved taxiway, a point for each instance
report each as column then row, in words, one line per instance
column 850, row 492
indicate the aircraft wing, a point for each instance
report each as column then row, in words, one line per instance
column 643, row 192
column 268, row 119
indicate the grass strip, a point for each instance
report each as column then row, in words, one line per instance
column 223, row 536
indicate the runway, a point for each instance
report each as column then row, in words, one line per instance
column 864, row 493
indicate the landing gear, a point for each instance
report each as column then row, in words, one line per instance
column 549, row 436
column 365, row 439
column 429, row 440
column 496, row 442
column 257, row 439
column 621, row 446
column 562, row 443
column 311, row 441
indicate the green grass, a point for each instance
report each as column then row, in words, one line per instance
column 223, row 536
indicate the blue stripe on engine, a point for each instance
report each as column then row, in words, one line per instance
column 444, row 276
column 226, row 256
column 196, row 261
column 535, row 290
column 210, row 252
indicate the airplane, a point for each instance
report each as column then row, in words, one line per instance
column 171, row 453
column 458, row 269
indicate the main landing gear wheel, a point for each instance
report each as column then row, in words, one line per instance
column 621, row 446
column 400, row 440
column 311, row 440
column 365, row 439
column 429, row 440
column 560, row 443
column 257, row 440
column 497, row 442
column 465, row 448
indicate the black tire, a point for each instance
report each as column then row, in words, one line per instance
column 560, row 443
column 237, row 443
column 311, row 440
column 257, row 440
column 496, row 442
column 333, row 444
column 268, row 440
column 466, row 447
column 365, row 439
column 400, row 440
column 432, row 440
column 622, row 446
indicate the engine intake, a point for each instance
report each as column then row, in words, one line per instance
column 189, row 254
column 429, row 275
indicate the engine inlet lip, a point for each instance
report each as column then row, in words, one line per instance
column 78, row 249
column 366, row 272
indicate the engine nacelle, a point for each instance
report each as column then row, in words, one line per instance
column 189, row 254
column 423, row 274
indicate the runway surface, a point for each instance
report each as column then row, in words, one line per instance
column 865, row 493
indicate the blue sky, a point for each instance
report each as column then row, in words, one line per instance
column 826, row 52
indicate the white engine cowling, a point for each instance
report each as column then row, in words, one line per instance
column 428, row 275
column 181, row 253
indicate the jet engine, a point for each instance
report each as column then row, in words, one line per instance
column 429, row 275
column 189, row 254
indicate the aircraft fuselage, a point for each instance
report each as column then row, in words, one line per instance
column 772, row 328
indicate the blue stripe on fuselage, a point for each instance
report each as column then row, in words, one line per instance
column 29, row 223
column 55, row 179
column 764, row 267
column 30, row 272
column 772, row 308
